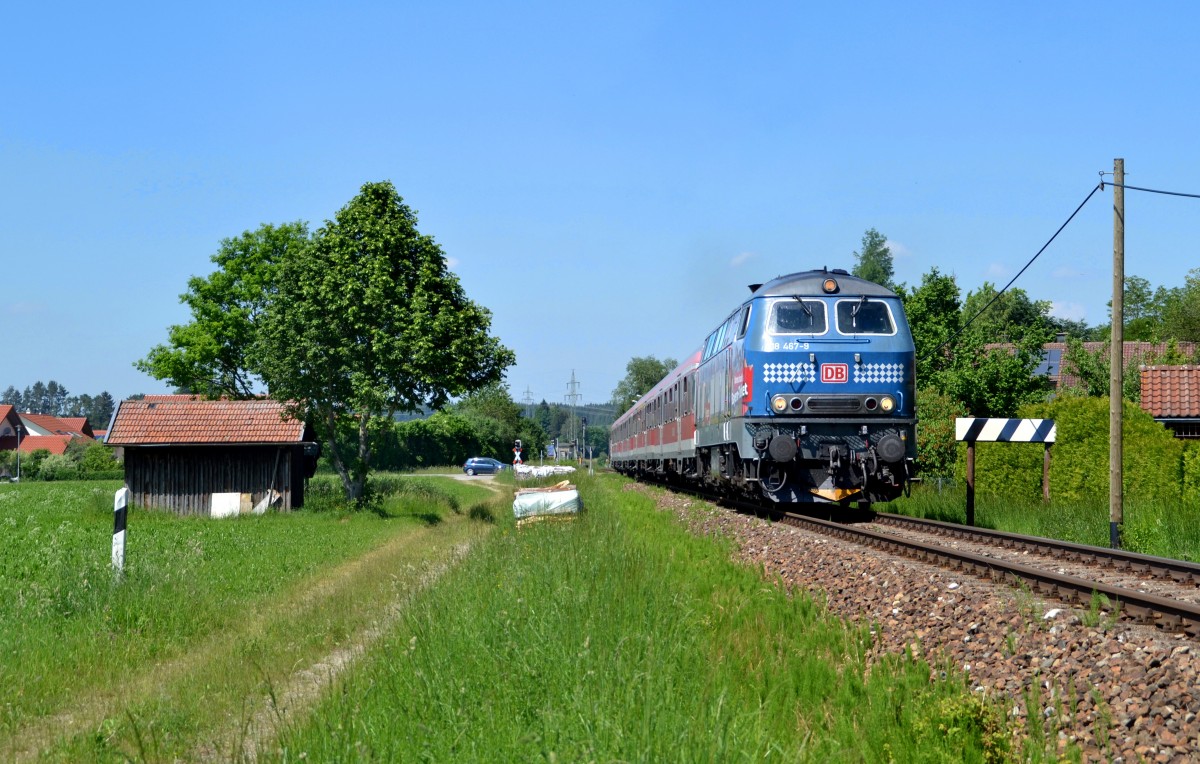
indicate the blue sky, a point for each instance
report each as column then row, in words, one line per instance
column 606, row 179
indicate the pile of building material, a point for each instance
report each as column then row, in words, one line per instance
column 523, row 471
column 557, row 501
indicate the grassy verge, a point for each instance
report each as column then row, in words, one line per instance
column 620, row 636
column 1150, row 528
column 210, row 619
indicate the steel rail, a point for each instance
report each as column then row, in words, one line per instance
column 1164, row 613
column 1179, row 571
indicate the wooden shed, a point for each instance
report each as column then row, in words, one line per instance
column 212, row 458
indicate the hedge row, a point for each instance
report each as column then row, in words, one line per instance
column 1157, row 466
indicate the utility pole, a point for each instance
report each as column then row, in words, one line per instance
column 1117, row 362
column 573, row 397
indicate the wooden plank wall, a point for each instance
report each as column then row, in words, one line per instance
column 183, row 479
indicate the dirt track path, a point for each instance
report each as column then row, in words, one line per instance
column 283, row 699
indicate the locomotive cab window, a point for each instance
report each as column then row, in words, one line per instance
column 863, row 316
column 798, row 317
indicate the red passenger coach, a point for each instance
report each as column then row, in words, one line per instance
column 659, row 431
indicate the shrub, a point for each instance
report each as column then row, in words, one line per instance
column 935, row 431
column 1153, row 458
column 57, row 467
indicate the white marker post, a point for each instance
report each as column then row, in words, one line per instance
column 120, row 509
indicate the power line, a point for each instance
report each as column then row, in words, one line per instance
column 1149, row 190
column 983, row 310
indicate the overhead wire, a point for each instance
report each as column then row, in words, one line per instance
column 1148, row 190
column 984, row 309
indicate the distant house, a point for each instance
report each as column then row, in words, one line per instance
column 40, row 431
column 196, row 457
column 1054, row 353
column 1171, row 394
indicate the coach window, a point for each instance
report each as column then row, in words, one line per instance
column 863, row 316
column 797, row 316
column 745, row 322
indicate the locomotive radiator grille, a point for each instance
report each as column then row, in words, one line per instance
column 823, row 405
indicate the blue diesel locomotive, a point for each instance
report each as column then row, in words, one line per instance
column 805, row 393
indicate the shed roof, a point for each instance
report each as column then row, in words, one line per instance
column 186, row 421
column 1171, row 391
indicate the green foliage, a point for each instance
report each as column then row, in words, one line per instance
column 211, row 354
column 1191, row 472
column 1092, row 368
column 641, row 374
column 368, row 321
column 98, row 457
column 992, row 382
column 57, row 467
column 1181, row 309
column 934, row 314
column 874, row 260
column 1079, row 464
column 936, row 446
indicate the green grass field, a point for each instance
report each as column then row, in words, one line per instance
column 412, row 633
column 207, row 616
column 619, row 636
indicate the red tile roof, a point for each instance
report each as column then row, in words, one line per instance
column 183, row 420
column 55, row 444
column 1171, row 391
column 77, row 426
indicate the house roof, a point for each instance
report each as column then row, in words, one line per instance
column 184, row 420
column 55, row 444
column 52, row 425
column 1170, row 392
column 1053, row 354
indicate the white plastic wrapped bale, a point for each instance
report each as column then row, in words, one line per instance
column 531, row 471
column 561, row 500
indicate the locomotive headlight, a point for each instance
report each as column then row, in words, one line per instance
column 886, row 404
column 779, row 404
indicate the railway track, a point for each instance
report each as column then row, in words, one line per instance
column 1146, row 589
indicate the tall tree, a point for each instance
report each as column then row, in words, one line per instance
column 933, row 312
column 367, row 321
column 874, row 260
column 1181, row 309
column 209, row 355
column 641, row 374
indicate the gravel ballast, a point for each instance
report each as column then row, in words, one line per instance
column 1118, row 692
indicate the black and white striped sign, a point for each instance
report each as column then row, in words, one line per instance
column 988, row 430
column 120, row 513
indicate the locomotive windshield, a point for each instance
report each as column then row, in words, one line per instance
column 864, row 316
column 798, row 317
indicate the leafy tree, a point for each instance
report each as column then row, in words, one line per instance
column 1143, row 313
column 874, row 260
column 934, row 315
column 1181, row 309
column 367, row 321
column 1007, row 317
column 995, row 381
column 641, row 374
column 1091, row 369
column 210, row 355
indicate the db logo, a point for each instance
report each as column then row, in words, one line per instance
column 835, row 372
